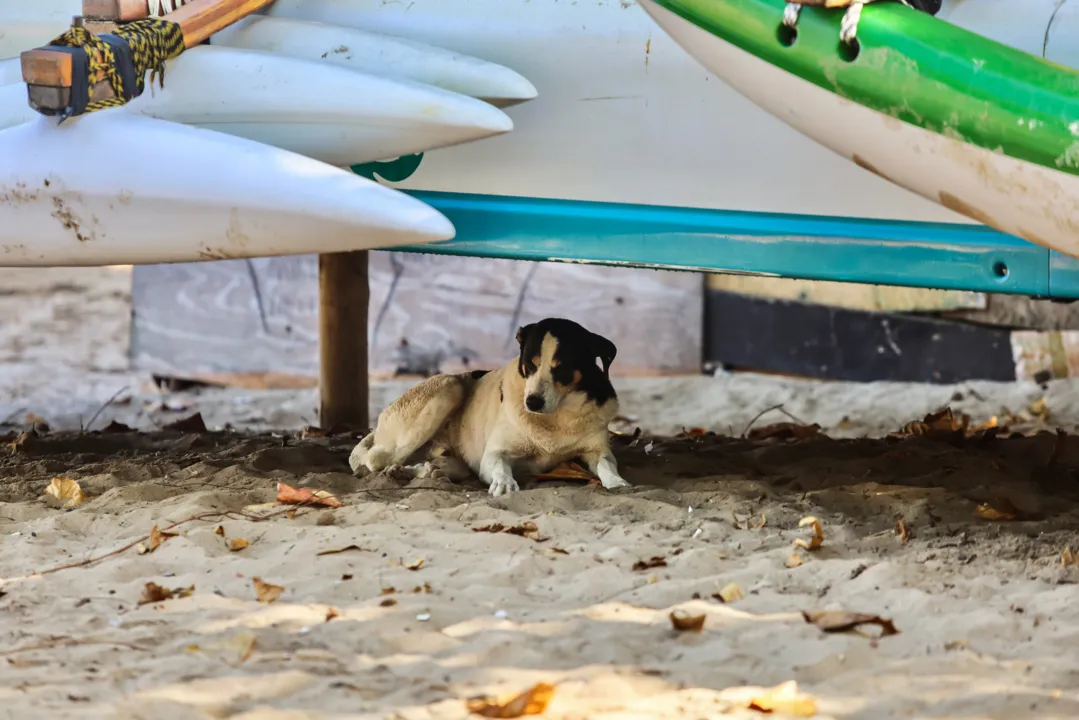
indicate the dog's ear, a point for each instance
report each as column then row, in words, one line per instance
column 523, row 333
column 605, row 350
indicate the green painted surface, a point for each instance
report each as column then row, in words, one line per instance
column 918, row 69
column 396, row 170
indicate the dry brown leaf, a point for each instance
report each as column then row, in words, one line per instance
column 425, row 589
column 341, row 550
column 266, row 592
column 288, row 495
column 533, row 701
column 152, row 592
column 312, row 432
column 942, row 422
column 731, row 592
column 902, row 531
column 526, row 530
column 388, row 602
column 652, row 562
column 784, row 700
column 24, row 441
column 156, row 538
column 237, row 544
column 1001, row 509
column 684, row 622
column 66, row 490
column 785, row 431
column 219, row 530
column 1067, row 557
column 842, row 621
column 818, row 534
column 795, row 560
column 415, row 565
column 331, row 613
column 193, row 424
column 567, row 471
column 746, row 524
column 388, row 591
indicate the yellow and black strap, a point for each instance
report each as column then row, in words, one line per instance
column 122, row 58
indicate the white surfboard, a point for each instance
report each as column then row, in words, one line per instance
column 26, row 24
column 10, row 71
column 333, row 114
column 380, row 54
column 68, row 196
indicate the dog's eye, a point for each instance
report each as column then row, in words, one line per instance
column 562, row 375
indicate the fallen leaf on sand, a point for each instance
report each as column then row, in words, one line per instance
column 795, row 560
column 731, row 592
column 312, row 432
column 192, row 424
column 785, row 431
column 842, row 621
column 526, row 530
column 24, row 441
column 1001, row 509
column 388, row 591
column 338, row 551
column 652, row 562
column 415, row 565
column 747, row 522
column 66, row 491
column 152, row 592
column 288, row 495
column 1067, row 557
column 784, row 700
column 156, row 538
column 902, row 531
column 266, row 592
column 533, row 701
column 684, row 622
column 237, row 544
column 219, row 530
column 425, row 589
column 818, row 534
column 942, row 422
column 566, row 471
column 116, row 427
column 331, row 613
column 388, row 602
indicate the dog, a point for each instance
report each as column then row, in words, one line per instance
column 552, row 404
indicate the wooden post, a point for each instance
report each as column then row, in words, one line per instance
column 342, row 317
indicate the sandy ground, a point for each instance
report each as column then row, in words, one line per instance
column 986, row 610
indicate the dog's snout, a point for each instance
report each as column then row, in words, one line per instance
column 534, row 402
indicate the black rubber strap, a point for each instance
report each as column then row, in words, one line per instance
column 125, row 63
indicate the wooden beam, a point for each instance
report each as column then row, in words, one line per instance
column 199, row 19
column 115, row 10
column 344, row 294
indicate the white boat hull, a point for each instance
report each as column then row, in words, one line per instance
column 333, row 114
column 179, row 194
column 1017, row 197
column 379, row 54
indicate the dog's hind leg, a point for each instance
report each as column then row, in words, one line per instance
column 411, row 422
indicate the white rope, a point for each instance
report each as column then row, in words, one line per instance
column 790, row 15
column 157, row 8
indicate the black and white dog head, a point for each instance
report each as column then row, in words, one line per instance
column 559, row 357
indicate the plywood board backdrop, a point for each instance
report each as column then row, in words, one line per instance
column 428, row 313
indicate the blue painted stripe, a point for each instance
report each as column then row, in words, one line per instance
column 891, row 252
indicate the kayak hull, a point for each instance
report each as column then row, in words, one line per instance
column 332, row 114
column 1015, row 196
column 183, row 194
column 380, row 54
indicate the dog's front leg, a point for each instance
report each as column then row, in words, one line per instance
column 496, row 471
column 603, row 464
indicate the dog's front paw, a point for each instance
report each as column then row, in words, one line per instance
column 502, row 486
column 615, row 482
column 355, row 460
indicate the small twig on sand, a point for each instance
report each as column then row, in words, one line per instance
column 764, row 412
column 102, row 408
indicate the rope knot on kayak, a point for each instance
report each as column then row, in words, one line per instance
column 122, row 58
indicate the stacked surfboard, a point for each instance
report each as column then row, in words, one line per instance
column 245, row 150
